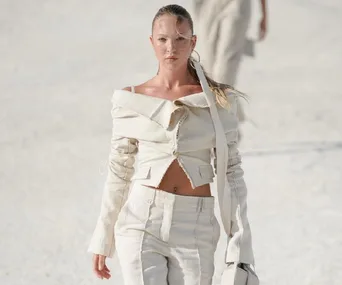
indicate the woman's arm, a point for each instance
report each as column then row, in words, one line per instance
column 120, row 171
column 240, row 240
column 239, row 248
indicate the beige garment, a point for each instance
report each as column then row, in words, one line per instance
column 165, row 130
column 166, row 239
column 221, row 26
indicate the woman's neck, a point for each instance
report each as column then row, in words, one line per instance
column 174, row 78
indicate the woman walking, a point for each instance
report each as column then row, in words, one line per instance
column 163, row 226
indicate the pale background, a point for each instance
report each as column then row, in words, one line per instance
column 61, row 61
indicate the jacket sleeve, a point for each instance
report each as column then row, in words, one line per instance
column 120, row 171
column 240, row 240
column 239, row 248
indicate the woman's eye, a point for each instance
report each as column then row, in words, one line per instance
column 162, row 39
column 180, row 39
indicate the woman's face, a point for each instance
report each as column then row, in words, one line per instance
column 172, row 42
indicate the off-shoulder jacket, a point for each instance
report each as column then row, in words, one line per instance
column 154, row 132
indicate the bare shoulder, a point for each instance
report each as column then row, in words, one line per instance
column 138, row 88
column 146, row 88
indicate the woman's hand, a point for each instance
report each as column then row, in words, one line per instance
column 99, row 266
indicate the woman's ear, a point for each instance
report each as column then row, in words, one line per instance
column 193, row 41
column 151, row 40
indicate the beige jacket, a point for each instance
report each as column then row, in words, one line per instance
column 162, row 131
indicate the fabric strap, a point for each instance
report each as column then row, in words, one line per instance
column 221, row 152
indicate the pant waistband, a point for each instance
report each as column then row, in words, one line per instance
column 162, row 198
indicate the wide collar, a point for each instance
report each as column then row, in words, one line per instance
column 196, row 100
column 157, row 109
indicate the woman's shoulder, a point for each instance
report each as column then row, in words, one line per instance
column 139, row 88
column 126, row 91
column 137, row 93
column 133, row 99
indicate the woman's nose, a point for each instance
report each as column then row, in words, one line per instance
column 171, row 46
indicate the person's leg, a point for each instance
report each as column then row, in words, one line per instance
column 193, row 240
column 140, row 263
column 140, row 252
column 232, row 30
column 230, row 45
column 206, row 28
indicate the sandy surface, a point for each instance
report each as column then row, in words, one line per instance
column 61, row 61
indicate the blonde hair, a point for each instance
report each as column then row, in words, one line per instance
column 219, row 89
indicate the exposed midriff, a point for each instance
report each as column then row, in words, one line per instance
column 176, row 181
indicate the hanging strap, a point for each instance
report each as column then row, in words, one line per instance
column 221, row 151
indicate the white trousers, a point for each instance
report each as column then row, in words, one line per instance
column 166, row 239
column 221, row 27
